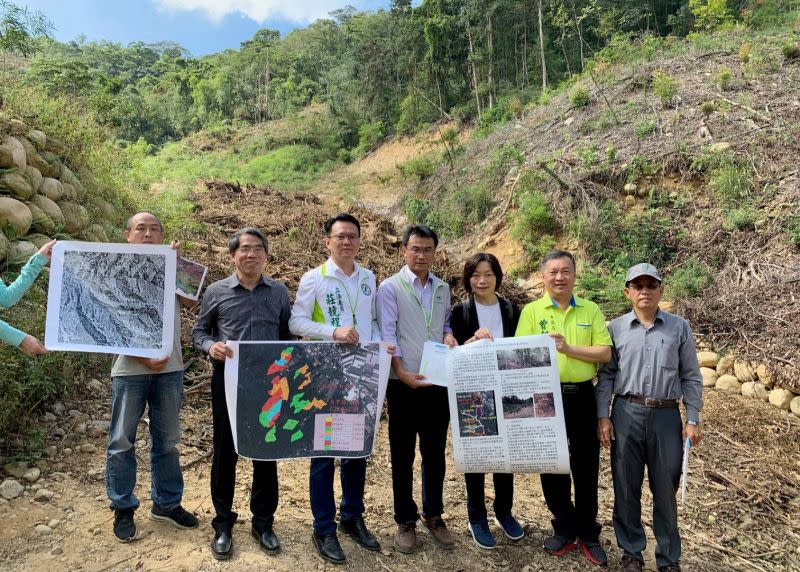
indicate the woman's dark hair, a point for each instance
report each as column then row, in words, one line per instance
column 233, row 242
column 341, row 217
column 421, row 231
column 472, row 264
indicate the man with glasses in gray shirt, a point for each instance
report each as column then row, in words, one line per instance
column 245, row 306
column 653, row 365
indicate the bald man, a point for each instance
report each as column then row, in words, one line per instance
column 158, row 384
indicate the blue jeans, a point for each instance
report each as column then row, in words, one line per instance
column 163, row 393
column 353, row 473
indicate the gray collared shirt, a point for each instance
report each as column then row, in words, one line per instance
column 659, row 362
column 386, row 304
column 230, row 311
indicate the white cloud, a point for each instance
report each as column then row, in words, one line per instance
column 260, row 11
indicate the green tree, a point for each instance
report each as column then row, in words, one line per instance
column 19, row 28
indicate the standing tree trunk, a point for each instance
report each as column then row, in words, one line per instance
column 474, row 71
column 541, row 49
column 490, row 73
column 516, row 57
column 579, row 28
column 266, row 91
column 525, row 54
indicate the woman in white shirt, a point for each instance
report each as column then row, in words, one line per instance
column 486, row 316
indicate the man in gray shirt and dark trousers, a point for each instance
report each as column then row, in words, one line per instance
column 244, row 306
column 653, row 365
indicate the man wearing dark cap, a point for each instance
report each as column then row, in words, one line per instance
column 653, row 365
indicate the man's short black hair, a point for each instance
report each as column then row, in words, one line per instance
column 130, row 220
column 472, row 264
column 555, row 255
column 233, row 242
column 422, row 231
column 341, row 217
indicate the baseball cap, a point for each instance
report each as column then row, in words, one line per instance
column 643, row 269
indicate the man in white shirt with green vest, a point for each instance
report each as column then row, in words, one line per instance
column 414, row 307
column 336, row 301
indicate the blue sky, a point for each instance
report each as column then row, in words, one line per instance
column 200, row 26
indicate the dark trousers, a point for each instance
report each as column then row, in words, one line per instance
column 353, row 473
column 476, row 495
column 264, row 491
column 578, row 519
column 645, row 436
column 412, row 412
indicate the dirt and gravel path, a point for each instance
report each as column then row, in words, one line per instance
column 741, row 512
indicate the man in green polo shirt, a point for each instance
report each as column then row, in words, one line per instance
column 582, row 340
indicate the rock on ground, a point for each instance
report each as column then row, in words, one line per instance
column 795, row 405
column 725, row 365
column 729, row 383
column 781, row 398
column 10, row 489
column 743, row 371
column 761, row 392
column 748, row 389
column 709, row 376
column 708, row 359
column 43, row 495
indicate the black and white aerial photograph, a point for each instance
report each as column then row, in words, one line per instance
column 111, row 300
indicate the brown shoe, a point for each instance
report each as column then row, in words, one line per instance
column 439, row 533
column 630, row 564
column 405, row 539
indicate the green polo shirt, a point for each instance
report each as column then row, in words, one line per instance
column 582, row 324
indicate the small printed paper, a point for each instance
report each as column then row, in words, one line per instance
column 189, row 278
column 434, row 363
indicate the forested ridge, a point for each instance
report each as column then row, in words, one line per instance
column 383, row 72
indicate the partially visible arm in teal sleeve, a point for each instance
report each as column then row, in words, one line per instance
column 10, row 335
column 11, row 294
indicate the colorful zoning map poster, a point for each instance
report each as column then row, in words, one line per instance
column 293, row 400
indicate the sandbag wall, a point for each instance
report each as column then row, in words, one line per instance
column 41, row 198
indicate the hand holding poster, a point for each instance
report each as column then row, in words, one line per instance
column 189, row 278
column 297, row 399
column 505, row 406
column 111, row 298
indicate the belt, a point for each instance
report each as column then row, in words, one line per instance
column 648, row 402
column 569, row 388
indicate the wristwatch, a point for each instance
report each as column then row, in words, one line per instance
column 695, row 423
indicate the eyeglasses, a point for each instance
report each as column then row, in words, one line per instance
column 645, row 286
column 345, row 237
column 246, row 250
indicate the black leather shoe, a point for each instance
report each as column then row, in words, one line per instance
column 357, row 530
column 268, row 540
column 329, row 548
column 222, row 545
